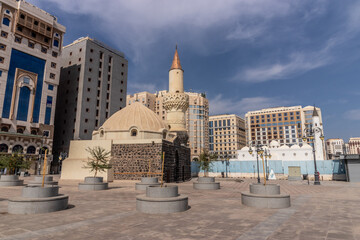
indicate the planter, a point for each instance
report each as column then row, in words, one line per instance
column 36, row 199
column 161, row 200
column 10, row 180
column 206, row 183
column 146, row 182
column 265, row 196
column 93, row 184
column 38, row 181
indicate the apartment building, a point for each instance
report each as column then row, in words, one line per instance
column 30, row 52
column 354, row 145
column 93, row 85
column 284, row 124
column 226, row 135
column 334, row 148
column 197, row 116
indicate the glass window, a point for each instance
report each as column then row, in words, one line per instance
column 26, row 80
column 51, row 87
column 6, row 21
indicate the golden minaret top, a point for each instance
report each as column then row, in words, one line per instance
column 176, row 61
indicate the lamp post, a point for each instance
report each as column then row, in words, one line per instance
column 267, row 156
column 309, row 134
column 259, row 150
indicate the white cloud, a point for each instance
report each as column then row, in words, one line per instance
column 221, row 105
column 353, row 114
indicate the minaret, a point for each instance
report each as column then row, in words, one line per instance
column 318, row 143
column 176, row 102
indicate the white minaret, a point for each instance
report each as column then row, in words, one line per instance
column 318, row 130
column 176, row 102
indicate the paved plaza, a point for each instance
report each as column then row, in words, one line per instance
column 329, row 211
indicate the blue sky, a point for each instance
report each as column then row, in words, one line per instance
column 245, row 54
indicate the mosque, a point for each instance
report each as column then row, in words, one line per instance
column 137, row 138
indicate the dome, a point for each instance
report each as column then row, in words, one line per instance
column 134, row 115
column 245, row 149
column 295, row 146
column 284, row 147
column 274, row 144
column 306, row 146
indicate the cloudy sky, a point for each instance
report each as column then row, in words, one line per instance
column 244, row 54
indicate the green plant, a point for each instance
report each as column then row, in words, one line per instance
column 99, row 160
column 14, row 161
column 205, row 161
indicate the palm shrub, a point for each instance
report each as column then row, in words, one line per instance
column 99, row 160
column 206, row 160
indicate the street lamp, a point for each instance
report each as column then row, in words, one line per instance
column 267, row 156
column 259, row 151
column 309, row 134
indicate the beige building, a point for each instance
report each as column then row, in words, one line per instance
column 138, row 138
column 334, row 147
column 226, row 135
column 30, row 53
column 284, row 124
column 197, row 116
column 354, row 145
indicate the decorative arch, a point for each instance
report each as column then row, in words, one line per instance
column 31, row 150
column 18, row 149
column 4, row 148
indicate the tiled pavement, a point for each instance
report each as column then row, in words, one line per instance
column 329, row 211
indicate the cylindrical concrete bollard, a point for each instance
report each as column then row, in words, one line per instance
column 149, row 180
column 206, row 179
column 93, row 179
column 162, row 192
column 268, row 189
column 40, row 192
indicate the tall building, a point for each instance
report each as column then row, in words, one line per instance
column 226, row 135
column 197, row 116
column 93, row 85
column 284, row 124
column 354, row 145
column 334, row 147
column 30, row 52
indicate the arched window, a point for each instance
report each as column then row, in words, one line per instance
column 31, row 150
column 4, row 148
column 133, row 133
column 23, row 105
column 164, row 135
column 17, row 149
column 6, row 21
column 34, row 132
column 43, row 149
column 20, row 130
column 4, row 129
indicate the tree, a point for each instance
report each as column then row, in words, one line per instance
column 99, row 160
column 206, row 160
column 14, row 161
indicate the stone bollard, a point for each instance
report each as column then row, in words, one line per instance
column 37, row 199
column 146, row 182
column 265, row 196
column 161, row 200
column 10, row 180
column 206, row 183
column 93, row 184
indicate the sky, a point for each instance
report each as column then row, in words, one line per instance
column 244, row 54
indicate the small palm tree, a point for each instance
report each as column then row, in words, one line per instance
column 206, row 160
column 99, row 160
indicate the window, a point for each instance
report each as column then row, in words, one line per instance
column 101, row 55
column 79, row 59
column 56, row 43
column 80, row 49
column 99, row 74
column 0, row 73
column 90, row 69
column 22, row 16
column 50, row 87
column 48, row 29
column 85, row 130
column 52, row 75
column 6, row 21
column 88, row 89
column 2, row 47
column 133, row 132
column 31, row 44
column 36, row 23
column 87, row 110
column 91, row 59
column 70, row 53
column 46, row 40
column 88, row 99
column 4, row 34
column 43, row 49
column 53, row 65
column 110, row 58
column 54, row 54
column 122, row 64
column 91, row 50
column 1, row 60
column 33, row 34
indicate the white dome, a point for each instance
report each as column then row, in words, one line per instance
column 284, row 147
column 274, row 144
column 295, row 147
column 245, row 149
column 306, row 146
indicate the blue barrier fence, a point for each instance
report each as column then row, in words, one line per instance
column 278, row 166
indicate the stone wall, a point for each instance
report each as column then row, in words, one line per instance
column 134, row 158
